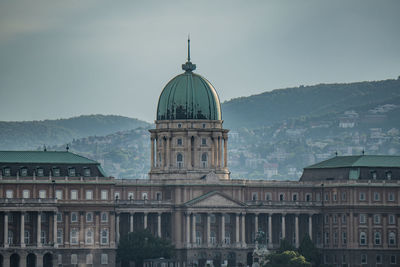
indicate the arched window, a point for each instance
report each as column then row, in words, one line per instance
column 363, row 238
column 377, row 238
column 89, row 236
column 179, row 160
column 104, row 236
column 204, row 161
column 392, row 238
column 74, row 236
column 281, row 197
column 89, row 217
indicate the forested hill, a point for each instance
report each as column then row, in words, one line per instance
column 32, row 134
column 271, row 107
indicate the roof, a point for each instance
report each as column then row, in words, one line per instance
column 358, row 161
column 59, row 157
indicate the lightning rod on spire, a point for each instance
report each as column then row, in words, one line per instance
column 188, row 47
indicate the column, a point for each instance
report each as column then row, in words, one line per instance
column 237, row 228
column 226, row 151
column 219, row 152
column 216, row 151
column 283, row 226
column 168, row 156
column 131, row 222
column 243, row 229
column 55, row 229
column 187, row 228
column 152, row 153
column 189, row 152
column 255, row 225
column 145, row 220
column 6, row 230
column 22, row 236
column 39, row 229
column 212, row 159
column 117, row 234
column 82, row 228
column 159, row 224
column 66, row 228
column 296, row 229
column 193, row 228
column 310, row 226
column 97, row 229
column 222, row 228
column 112, row 229
column 208, row 229
column 270, row 229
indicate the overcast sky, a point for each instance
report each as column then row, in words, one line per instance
column 66, row 58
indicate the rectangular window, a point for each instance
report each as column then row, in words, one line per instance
column 104, row 217
column 7, row 172
column 392, row 219
column 361, row 196
column 198, row 218
column 344, row 238
column 89, row 194
column 104, row 194
column 89, row 216
column 74, row 236
column 74, row 194
column 334, row 197
column 9, row 194
column 326, row 196
column 254, row 196
column 42, row 193
column 334, row 218
column 308, row 197
column 60, row 236
column 26, row 194
column 391, row 196
column 24, row 172
column 86, row 172
column 104, row 236
column 268, row 196
column 326, row 238
column 104, row 258
column 377, row 219
column 335, row 238
column 39, row 172
column 343, row 218
column 295, row 197
column 56, row 172
column 179, row 141
column 377, row 196
column 363, row 258
column 117, row 195
column 212, row 218
column 74, row 217
column 203, row 141
column 71, row 172
column 59, row 217
column 393, row 259
column 131, row 196
column 343, row 196
column 378, row 259
column 74, row 259
column 159, row 196
column 363, row 218
column 59, row 194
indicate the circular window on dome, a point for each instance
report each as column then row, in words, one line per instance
column 179, row 125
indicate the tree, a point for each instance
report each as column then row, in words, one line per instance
column 309, row 251
column 285, row 259
column 140, row 245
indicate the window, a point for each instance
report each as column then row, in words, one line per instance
column 74, row 217
column 326, row 196
column 59, row 194
column 294, row 197
column 145, row 196
column 59, row 259
column 392, row 219
column 89, row 236
column 23, row 172
column 204, row 161
column 326, row 219
column 198, row 237
column 212, row 218
column 27, row 217
column 377, row 196
column 39, row 172
column 335, row 219
column 363, row 238
column 344, row 260
column 377, row 236
column 104, row 194
column 281, row 197
column 131, row 196
column 254, row 196
column 392, row 238
column 343, row 218
column 179, row 160
column 391, row 196
column 9, row 194
column 179, row 141
column 389, row 175
column 335, row 238
column 74, row 259
column 43, row 217
column 7, row 172
column 334, row 197
column 56, row 172
column 378, row 259
column 117, row 195
column 74, row 194
column 158, row 196
column 213, row 238
column 27, row 237
column 227, row 238
column 89, row 216
column 42, row 193
column 89, row 258
column 43, row 237
column 71, row 172
column 362, row 218
column 268, row 196
column 377, row 219
column 344, row 237
column 104, row 236
column 104, row 258
column 363, row 258
column 204, row 125
column 10, row 218
column 308, row 197
column 10, row 237
column 393, row 259
column 318, row 197
column 227, row 218
column 104, row 217
column 361, row 196
column 60, row 236
column 25, row 194
column 343, row 196
column 179, row 125
column 74, row 236
column 86, row 172
column 203, row 141
column 89, row 194
column 198, row 218
column 59, row 217
column 326, row 238
column 373, row 175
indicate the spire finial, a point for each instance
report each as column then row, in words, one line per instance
column 188, row 66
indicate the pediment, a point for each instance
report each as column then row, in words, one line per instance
column 214, row 199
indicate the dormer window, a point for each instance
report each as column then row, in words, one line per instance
column 7, row 172
column 23, row 171
column 389, row 175
column 373, row 175
column 56, row 172
column 39, row 172
column 86, row 172
column 71, row 172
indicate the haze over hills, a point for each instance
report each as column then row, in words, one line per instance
column 273, row 135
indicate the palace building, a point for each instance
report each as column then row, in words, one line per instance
column 60, row 209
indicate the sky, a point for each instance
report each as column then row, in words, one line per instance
column 60, row 59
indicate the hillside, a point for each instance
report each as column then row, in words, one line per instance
column 272, row 107
column 34, row 134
